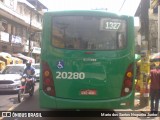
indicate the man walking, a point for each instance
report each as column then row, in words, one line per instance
column 155, row 89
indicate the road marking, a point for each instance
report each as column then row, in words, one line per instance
column 11, row 108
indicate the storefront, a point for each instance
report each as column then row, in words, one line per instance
column 4, row 42
column 12, row 45
column 36, row 54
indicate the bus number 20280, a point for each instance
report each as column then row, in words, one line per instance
column 70, row 75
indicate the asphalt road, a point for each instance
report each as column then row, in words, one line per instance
column 9, row 103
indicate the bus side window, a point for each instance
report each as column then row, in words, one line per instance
column 121, row 40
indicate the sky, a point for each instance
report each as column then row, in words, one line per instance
column 127, row 7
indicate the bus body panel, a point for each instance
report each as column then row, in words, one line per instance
column 58, row 103
column 101, row 72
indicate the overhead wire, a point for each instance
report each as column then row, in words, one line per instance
column 122, row 5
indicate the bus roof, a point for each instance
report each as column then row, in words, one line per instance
column 85, row 12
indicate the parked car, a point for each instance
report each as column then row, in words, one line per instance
column 37, row 70
column 10, row 77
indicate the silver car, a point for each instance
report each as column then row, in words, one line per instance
column 37, row 70
column 10, row 77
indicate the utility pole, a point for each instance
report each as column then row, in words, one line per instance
column 145, row 49
column 30, row 27
column 144, row 17
column 158, row 42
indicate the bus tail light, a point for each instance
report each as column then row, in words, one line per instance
column 128, row 81
column 48, row 83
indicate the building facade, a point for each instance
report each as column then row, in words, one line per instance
column 20, row 27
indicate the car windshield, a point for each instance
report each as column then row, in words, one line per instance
column 13, row 70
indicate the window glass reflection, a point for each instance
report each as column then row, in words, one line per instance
column 91, row 33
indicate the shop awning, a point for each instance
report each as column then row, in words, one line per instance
column 24, row 58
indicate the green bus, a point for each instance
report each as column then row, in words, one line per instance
column 87, row 60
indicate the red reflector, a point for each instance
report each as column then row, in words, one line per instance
column 89, row 52
column 47, row 81
column 88, row 92
column 128, row 82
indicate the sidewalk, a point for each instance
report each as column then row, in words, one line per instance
column 145, row 109
column 137, row 104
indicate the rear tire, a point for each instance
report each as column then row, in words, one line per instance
column 20, row 96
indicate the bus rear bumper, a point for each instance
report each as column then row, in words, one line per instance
column 59, row 103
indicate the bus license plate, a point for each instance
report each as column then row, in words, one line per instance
column 88, row 92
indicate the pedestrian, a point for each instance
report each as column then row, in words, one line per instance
column 155, row 89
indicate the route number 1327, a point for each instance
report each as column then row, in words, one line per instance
column 112, row 25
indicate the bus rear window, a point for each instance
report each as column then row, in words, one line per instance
column 88, row 33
